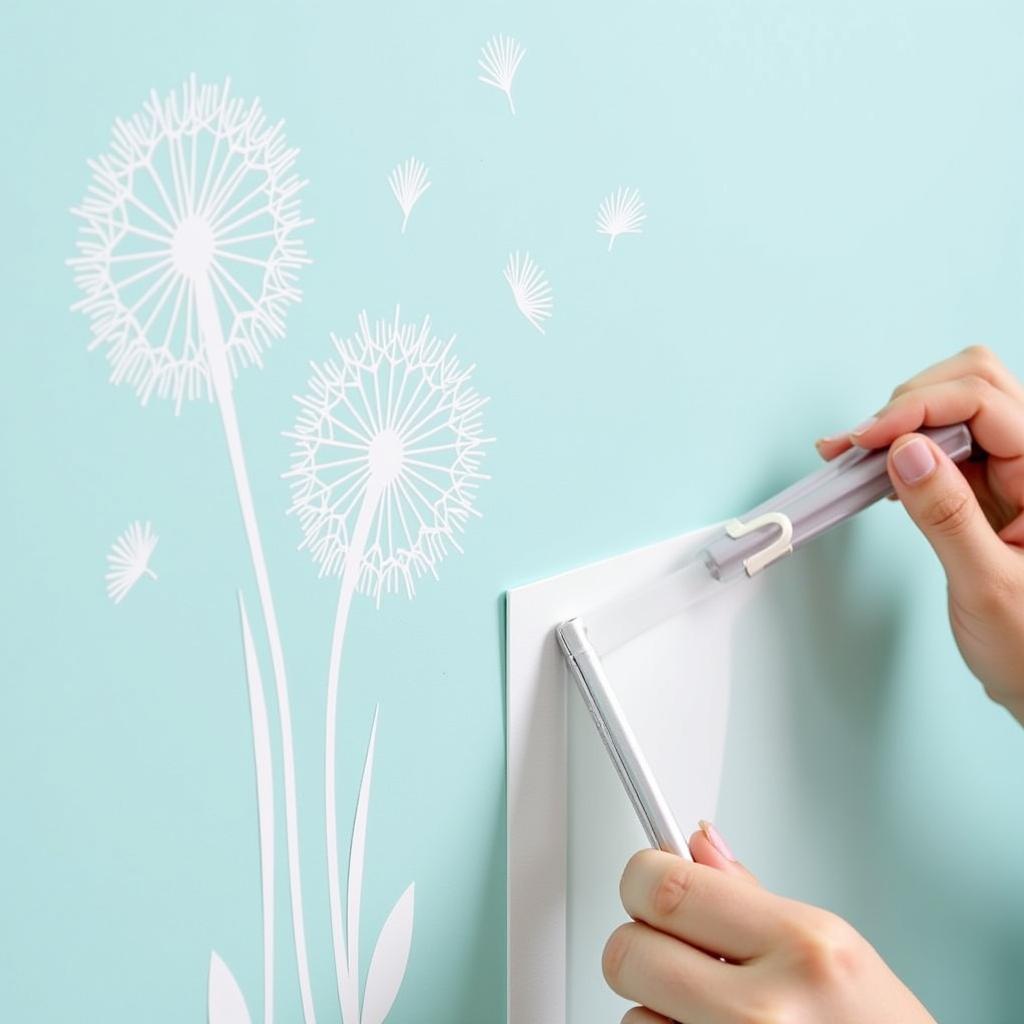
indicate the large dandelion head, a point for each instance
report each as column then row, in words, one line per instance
column 188, row 232
column 390, row 435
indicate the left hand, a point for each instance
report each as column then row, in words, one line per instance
column 785, row 962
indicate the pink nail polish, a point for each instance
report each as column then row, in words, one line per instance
column 914, row 461
column 714, row 837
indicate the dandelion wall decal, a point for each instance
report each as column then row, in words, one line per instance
column 620, row 213
column 187, row 257
column 499, row 59
column 408, row 182
column 530, row 289
column 187, row 250
column 129, row 560
column 385, row 468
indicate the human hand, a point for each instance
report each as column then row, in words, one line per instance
column 973, row 515
column 784, row 961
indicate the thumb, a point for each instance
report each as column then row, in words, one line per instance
column 940, row 501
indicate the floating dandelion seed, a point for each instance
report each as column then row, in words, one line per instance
column 620, row 213
column 129, row 560
column 187, row 258
column 408, row 182
column 385, row 468
column 499, row 58
column 530, row 289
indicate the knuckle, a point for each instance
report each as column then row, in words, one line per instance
column 616, row 952
column 825, row 949
column 949, row 514
column 636, row 1015
column 977, row 384
column 673, row 889
column 982, row 357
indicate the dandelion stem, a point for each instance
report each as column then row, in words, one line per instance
column 220, row 374
column 348, row 985
column 264, row 802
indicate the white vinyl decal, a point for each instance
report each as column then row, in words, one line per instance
column 499, row 60
column 620, row 213
column 187, row 257
column 128, row 560
column 385, row 468
column 530, row 289
column 408, row 182
column 262, row 753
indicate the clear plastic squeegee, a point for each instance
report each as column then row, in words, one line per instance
column 746, row 545
column 840, row 489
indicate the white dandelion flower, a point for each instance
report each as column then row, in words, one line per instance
column 187, row 258
column 128, row 560
column 620, row 213
column 187, row 251
column 388, row 446
column 499, row 59
column 408, row 182
column 385, row 468
column 530, row 289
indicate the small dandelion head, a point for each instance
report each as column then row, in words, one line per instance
column 390, row 433
column 192, row 214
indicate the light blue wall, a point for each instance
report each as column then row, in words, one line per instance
column 834, row 199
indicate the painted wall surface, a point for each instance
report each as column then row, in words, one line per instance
column 831, row 197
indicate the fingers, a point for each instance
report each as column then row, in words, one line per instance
column 701, row 905
column 976, row 361
column 996, row 419
column 978, row 367
column 940, row 501
column 708, row 847
column 641, row 1015
column 669, row 977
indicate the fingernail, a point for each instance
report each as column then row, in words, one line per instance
column 866, row 425
column 831, row 439
column 914, row 461
column 714, row 837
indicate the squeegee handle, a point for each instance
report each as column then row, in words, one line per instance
column 840, row 489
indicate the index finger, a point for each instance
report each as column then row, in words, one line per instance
column 996, row 419
column 976, row 361
column 704, row 907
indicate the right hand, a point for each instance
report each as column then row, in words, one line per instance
column 973, row 515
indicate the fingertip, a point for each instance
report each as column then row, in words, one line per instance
column 829, row 447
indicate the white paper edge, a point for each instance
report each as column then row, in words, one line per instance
column 536, row 750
